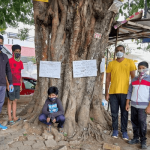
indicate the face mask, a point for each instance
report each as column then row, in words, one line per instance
column 119, row 54
column 142, row 72
column 52, row 99
column 1, row 46
column 17, row 55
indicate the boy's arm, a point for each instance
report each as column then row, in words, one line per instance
column 21, row 77
column 129, row 92
column 148, row 107
column 132, row 73
column 60, row 110
column 45, row 110
column 21, row 84
column 127, row 107
column 132, row 69
column 108, row 79
column 7, row 84
column 8, row 73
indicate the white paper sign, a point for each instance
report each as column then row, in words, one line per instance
column 102, row 66
column 50, row 69
column 84, row 68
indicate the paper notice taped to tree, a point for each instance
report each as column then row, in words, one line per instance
column 50, row 69
column 84, row 68
column 116, row 5
column 42, row 0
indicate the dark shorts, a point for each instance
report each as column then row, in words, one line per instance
column 15, row 94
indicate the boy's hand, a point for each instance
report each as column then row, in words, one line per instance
column 107, row 97
column 11, row 88
column 127, row 107
column 7, row 87
column 147, row 110
column 54, row 121
column 48, row 120
column 20, row 88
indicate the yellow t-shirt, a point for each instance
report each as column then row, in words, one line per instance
column 120, row 75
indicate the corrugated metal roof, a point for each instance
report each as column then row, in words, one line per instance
column 132, row 28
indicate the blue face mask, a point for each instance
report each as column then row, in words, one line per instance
column 52, row 99
column 1, row 46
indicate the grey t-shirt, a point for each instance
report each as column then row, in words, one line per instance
column 53, row 109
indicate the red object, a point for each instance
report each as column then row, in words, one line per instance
column 143, row 82
column 137, row 13
column 131, row 16
column 25, row 51
column 16, row 68
column 28, row 86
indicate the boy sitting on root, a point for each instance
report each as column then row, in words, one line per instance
column 52, row 111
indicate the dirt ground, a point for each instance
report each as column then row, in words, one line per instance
column 91, row 143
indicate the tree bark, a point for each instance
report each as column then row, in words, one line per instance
column 64, row 31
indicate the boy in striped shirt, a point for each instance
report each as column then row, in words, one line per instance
column 139, row 95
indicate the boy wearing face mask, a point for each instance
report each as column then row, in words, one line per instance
column 139, row 95
column 16, row 66
column 118, row 73
column 52, row 110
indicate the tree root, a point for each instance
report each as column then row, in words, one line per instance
column 92, row 132
column 58, row 136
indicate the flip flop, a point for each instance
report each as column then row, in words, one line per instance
column 49, row 128
column 60, row 130
column 18, row 120
column 11, row 122
column 3, row 127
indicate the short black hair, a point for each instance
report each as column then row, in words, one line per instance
column 1, row 37
column 16, row 46
column 53, row 90
column 120, row 46
column 143, row 63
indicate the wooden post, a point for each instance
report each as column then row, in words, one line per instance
column 107, row 59
column 116, row 41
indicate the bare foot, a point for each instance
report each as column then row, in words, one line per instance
column 17, row 119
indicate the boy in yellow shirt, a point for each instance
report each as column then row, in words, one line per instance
column 118, row 73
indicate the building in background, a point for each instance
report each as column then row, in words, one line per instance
column 11, row 38
column 27, row 53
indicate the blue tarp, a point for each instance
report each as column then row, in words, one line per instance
column 146, row 40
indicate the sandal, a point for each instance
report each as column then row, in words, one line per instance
column 60, row 130
column 11, row 122
column 49, row 128
column 18, row 120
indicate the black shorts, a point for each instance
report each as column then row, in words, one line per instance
column 15, row 94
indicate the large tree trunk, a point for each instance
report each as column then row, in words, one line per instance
column 64, row 31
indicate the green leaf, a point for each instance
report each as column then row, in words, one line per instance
column 16, row 11
column 92, row 119
column 23, row 34
column 24, row 134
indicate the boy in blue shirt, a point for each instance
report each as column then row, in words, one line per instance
column 52, row 111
